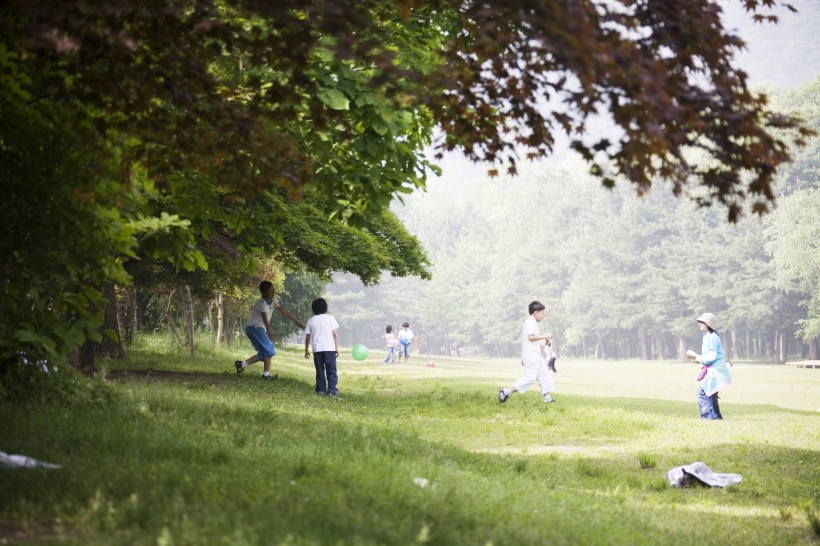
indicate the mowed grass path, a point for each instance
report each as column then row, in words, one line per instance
column 200, row 456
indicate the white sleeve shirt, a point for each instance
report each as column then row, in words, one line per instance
column 530, row 350
column 320, row 328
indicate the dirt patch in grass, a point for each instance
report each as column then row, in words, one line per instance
column 165, row 375
column 13, row 532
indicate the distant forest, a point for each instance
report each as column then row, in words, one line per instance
column 621, row 276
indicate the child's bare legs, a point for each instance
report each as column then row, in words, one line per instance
column 241, row 365
column 254, row 359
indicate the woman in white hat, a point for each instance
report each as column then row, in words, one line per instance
column 717, row 374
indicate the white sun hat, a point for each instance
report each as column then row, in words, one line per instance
column 709, row 320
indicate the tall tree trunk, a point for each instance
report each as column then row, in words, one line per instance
column 748, row 345
column 132, row 314
column 600, row 350
column 230, row 326
column 171, row 318
column 140, row 302
column 781, row 357
column 122, row 315
column 84, row 357
column 761, row 352
column 643, row 344
column 4, row 281
column 110, row 347
column 813, row 348
column 189, row 320
column 682, row 347
column 220, row 318
column 172, row 325
column 734, row 344
column 661, row 346
column 211, row 317
column 758, row 345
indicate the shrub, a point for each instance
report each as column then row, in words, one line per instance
column 40, row 382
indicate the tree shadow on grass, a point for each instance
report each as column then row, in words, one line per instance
column 150, row 375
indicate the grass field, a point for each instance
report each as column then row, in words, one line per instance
column 188, row 453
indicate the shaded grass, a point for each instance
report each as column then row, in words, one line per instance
column 204, row 457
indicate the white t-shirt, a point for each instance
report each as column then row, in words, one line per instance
column 261, row 306
column 320, row 328
column 530, row 350
column 406, row 334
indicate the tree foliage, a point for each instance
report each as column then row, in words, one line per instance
column 61, row 241
column 502, row 79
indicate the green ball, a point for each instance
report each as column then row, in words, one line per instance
column 359, row 352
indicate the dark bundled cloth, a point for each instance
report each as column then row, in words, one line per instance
column 699, row 474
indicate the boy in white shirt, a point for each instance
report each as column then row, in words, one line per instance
column 535, row 368
column 405, row 339
column 320, row 332
column 259, row 331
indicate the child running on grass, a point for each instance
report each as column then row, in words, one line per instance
column 405, row 339
column 259, row 330
column 391, row 343
column 321, row 332
column 535, row 367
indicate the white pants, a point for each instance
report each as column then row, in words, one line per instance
column 535, row 370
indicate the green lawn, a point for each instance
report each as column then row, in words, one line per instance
column 200, row 456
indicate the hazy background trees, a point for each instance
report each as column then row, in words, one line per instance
column 621, row 277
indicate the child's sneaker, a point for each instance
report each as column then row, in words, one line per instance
column 502, row 396
column 548, row 400
column 267, row 377
column 239, row 368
